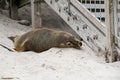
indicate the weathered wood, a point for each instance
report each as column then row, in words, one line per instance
column 13, row 11
column 35, row 10
column 32, row 13
column 90, row 16
column 38, row 19
column 110, row 39
column 116, row 29
column 25, row 2
column 36, row 14
column 79, row 21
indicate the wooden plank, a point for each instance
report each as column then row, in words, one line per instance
column 38, row 19
column 90, row 16
column 116, row 17
column 110, row 30
column 36, row 14
column 32, row 13
column 80, row 24
column 25, row 2
column 13, row 11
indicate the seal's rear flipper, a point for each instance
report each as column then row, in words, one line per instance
column 11, row 38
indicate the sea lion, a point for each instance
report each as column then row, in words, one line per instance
column 39, row 40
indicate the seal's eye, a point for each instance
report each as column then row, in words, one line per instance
column 69, row 44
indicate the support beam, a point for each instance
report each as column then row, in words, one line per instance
column 110, row 38
column 38, row 19
column 36, row 14
column 85, row 24
column 25, row 2
column 13, row 12
column 32, row 14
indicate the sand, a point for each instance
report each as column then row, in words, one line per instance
column 53, row 64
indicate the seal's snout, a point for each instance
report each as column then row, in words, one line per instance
column 78, row 46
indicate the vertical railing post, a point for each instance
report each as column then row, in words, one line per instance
column 110, row 34
column 36, row 13
column 32, row 14
column 13, row 10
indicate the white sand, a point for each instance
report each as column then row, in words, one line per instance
column 53, row 64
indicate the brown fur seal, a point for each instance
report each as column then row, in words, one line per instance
column 43, row 39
